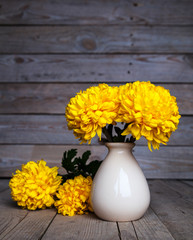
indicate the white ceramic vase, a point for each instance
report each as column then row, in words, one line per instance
column 120, row 191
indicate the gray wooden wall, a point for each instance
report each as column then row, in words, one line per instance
column 49, row 50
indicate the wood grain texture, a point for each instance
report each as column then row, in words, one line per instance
column 16, row 223
column 96, row 39
column 150, row 227
column 52, row 129
column 96, row 68
column 189, row 182
column 97, row 12
column 127, row 231
column 10, row 215
column 169, row 162
column 173, row 209
column 87, row 227
column 4, row 184
column 12, row 157
column 53, row 98
column 33, row 225
column 50, row 50
column 185, row 190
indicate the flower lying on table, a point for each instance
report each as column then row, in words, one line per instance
column 147, row 110
column 35, row 185
column 73, row 196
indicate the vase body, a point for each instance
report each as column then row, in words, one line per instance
column 120, row 191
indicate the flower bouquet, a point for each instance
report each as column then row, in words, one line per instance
column 145, row 109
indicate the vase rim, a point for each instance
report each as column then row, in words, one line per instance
column 120, row 144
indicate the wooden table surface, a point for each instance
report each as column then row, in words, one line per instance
column 170, row 216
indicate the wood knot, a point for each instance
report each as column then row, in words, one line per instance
column 135, row 4
column 89, row 44
column 19, row 60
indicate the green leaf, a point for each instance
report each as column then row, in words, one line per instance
column 67, row 160
column 81, row 161
column 92, row 167
column 118, row 131
column 85, row 157
column 77, row 166
column 71, row 153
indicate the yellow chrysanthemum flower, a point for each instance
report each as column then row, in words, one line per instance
column 89, row 111
column 35, row 185
column 151, row 111
column 73, row 196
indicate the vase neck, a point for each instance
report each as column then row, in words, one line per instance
column 118, row 145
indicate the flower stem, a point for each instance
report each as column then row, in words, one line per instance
column 107, row 134
column 132, row 139
column 126, row 125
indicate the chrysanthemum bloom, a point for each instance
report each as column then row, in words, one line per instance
column 89, row 111
column 151, row 111
column 73, row 196
column 35, row 185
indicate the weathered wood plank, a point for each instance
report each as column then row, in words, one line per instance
column 53, row 98
column 127, row 231
column 96, row 68
column 52, row 129
column 12, row 157
column 96, row 39
column 4, row 184
column 10, row 215
column 33, row 225
column 185, row 190
column 173, row 210
column 189, row 182
column 150, row 227
column 87, row 227
column 168, row 162
column 97, row 12
column 16, row 223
